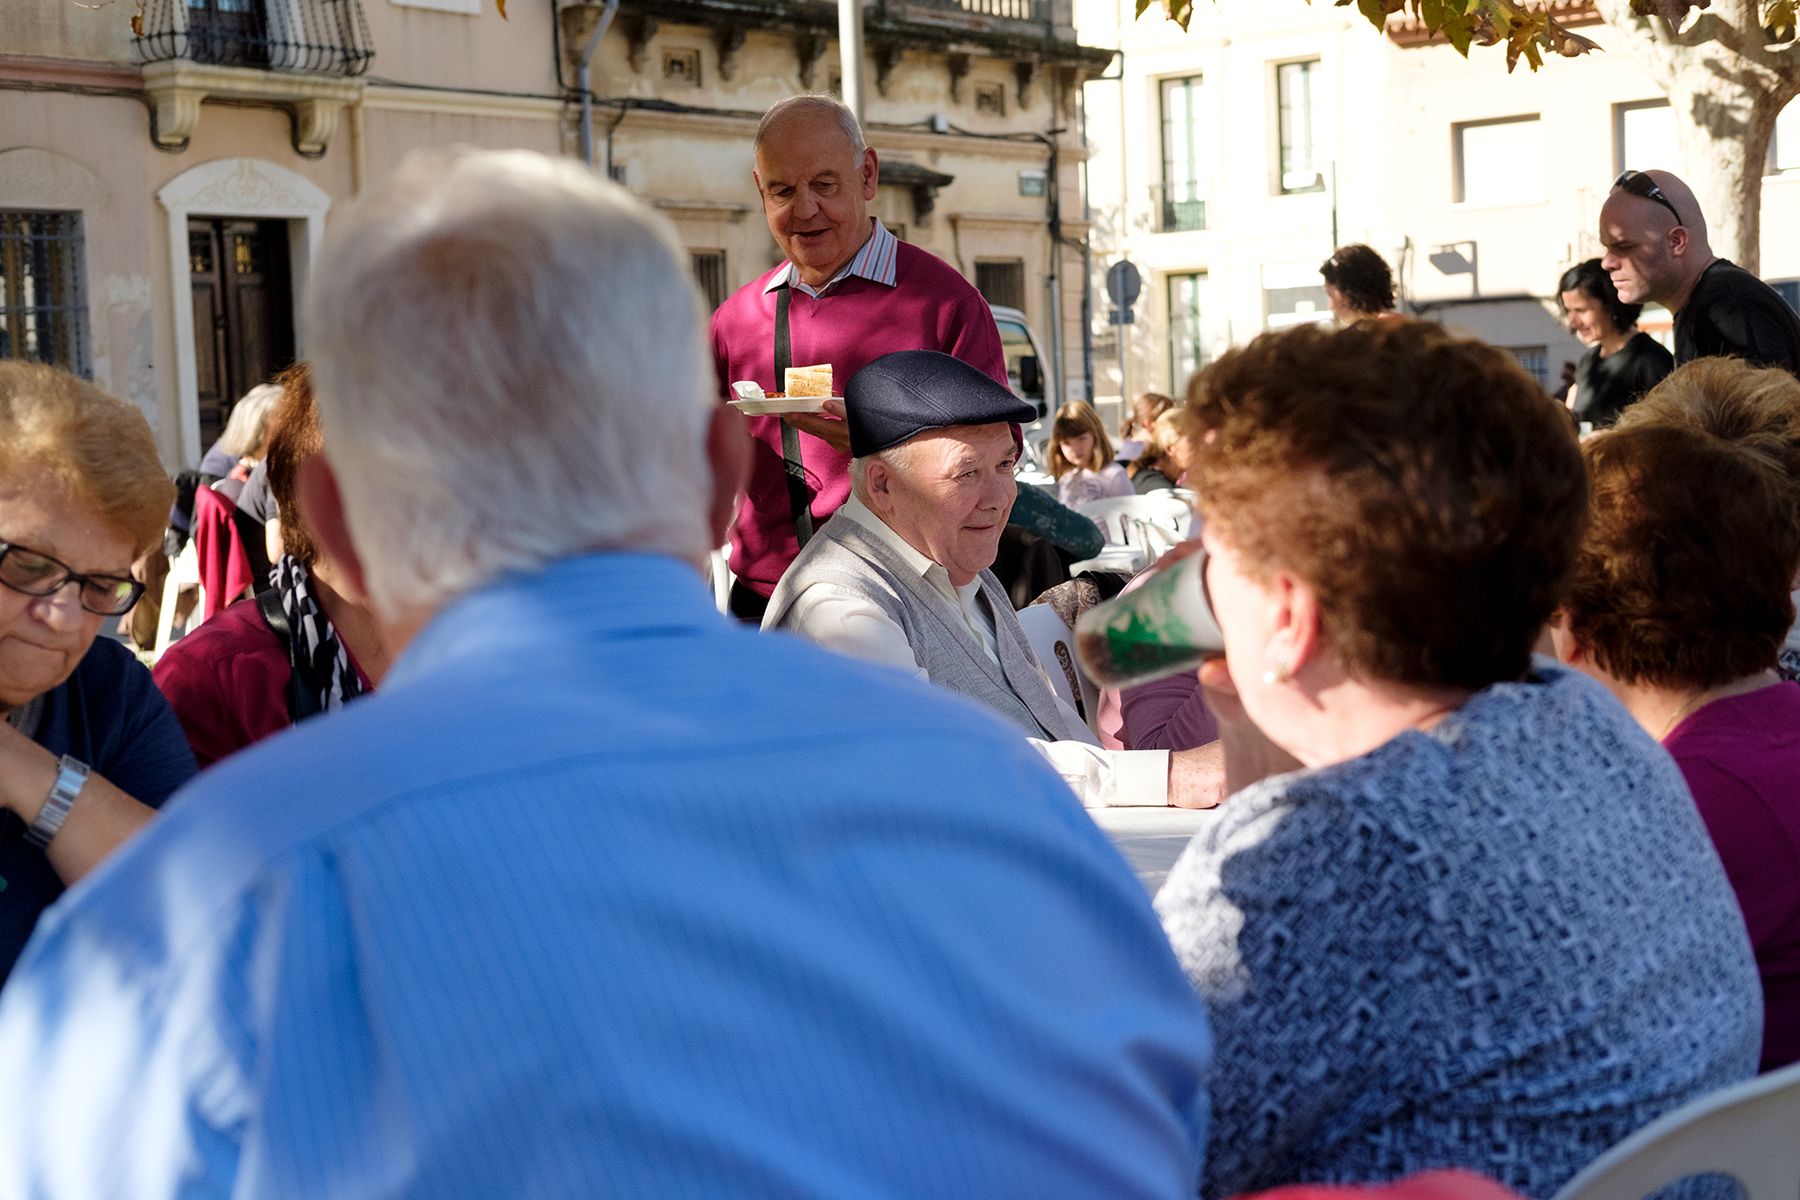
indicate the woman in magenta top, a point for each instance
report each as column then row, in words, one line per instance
column 1680, row 605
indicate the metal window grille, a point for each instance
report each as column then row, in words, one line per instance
column 1183, row 201
column 709, row 274
column 1002, row 283
column 1535, row 360
column 43, row 301
column 1013, row 10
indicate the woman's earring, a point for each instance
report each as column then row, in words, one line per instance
column 1278, row 673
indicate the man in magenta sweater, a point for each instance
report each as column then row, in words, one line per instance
column 852, row 292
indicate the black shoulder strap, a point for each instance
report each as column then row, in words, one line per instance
column 799, row 498
column 301, row 701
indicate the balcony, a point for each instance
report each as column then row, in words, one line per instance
column 311, row 37
column 1180, row 208
column 304, row 55
column 972, row 15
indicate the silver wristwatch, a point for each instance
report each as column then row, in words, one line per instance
column 69, row 781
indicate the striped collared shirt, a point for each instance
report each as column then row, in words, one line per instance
column 875, row 262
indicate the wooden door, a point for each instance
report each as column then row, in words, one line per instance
column 243, row 311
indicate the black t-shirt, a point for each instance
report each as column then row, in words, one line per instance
column 1604, row 386
column 1732, row 312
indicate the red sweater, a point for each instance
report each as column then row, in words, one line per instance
column 930, row 307
column 228, row 682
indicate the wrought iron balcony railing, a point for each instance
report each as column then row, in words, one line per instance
column 1014, row 10
column 1035, row 12
column 1180, row 207
column 310, row 37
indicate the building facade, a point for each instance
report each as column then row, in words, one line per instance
column 1249, row 146
column 165, row 182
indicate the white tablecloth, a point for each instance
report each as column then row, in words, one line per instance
column 1151, row 839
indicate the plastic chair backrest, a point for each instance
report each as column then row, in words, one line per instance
column 1117, row 516
column 1052, row 643
column 1749, row 1131
column 184, row 573
column 718, row 572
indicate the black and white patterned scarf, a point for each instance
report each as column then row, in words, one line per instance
column 321, row 663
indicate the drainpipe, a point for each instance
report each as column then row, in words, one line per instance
column 585, row 83
column 1054, row 280
column 850, row 51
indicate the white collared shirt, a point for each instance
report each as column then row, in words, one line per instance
column 877, row 261
column 854, row 625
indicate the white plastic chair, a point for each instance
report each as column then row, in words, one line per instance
column 1053, row 644
column 1117, row 515
column 1127, row 521
column 184, row 573
column 1749, row 1131
column 718, row 572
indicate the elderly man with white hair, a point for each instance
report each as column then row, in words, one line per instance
column 900, row 575
column 602, row 894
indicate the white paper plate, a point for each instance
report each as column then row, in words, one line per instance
column 781, row 404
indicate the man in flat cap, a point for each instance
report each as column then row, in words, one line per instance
column 900, row 574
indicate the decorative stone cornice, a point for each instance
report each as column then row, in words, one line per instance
column 176, row 89
column 702, row 210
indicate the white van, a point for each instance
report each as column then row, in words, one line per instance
column 1024, row 358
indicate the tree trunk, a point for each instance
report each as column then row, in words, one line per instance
column 1726, row 86
column 1722, row 131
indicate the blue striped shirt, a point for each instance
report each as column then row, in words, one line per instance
column 604, row 895
column 876, row 261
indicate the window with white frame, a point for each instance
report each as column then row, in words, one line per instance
column 43, row 294
column 1784, row 145
column 1301, row 167
column 1187, row 338
column 1643, row 136
column 1500, row 162
column 1183, row 165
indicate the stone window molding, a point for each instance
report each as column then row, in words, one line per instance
column 231, row 187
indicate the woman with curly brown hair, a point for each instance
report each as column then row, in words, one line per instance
column 304, row 646
column 1679, row 606
column 1481, row 924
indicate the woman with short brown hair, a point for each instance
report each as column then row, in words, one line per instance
column 1480, row 925
column 1680, row 606
column 85, row 735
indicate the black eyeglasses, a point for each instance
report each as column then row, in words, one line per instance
column 1639, row 184
column 37, row 574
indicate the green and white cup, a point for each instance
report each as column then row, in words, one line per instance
column 1162, row 626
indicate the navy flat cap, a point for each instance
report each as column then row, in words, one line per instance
column 908, row 392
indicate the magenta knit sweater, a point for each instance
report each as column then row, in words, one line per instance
column 930, row 307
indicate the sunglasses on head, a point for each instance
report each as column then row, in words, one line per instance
column 1636, row 183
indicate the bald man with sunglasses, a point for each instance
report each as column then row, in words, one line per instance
column 1656, row 251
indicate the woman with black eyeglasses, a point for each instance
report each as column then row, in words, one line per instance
column 88, row 744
